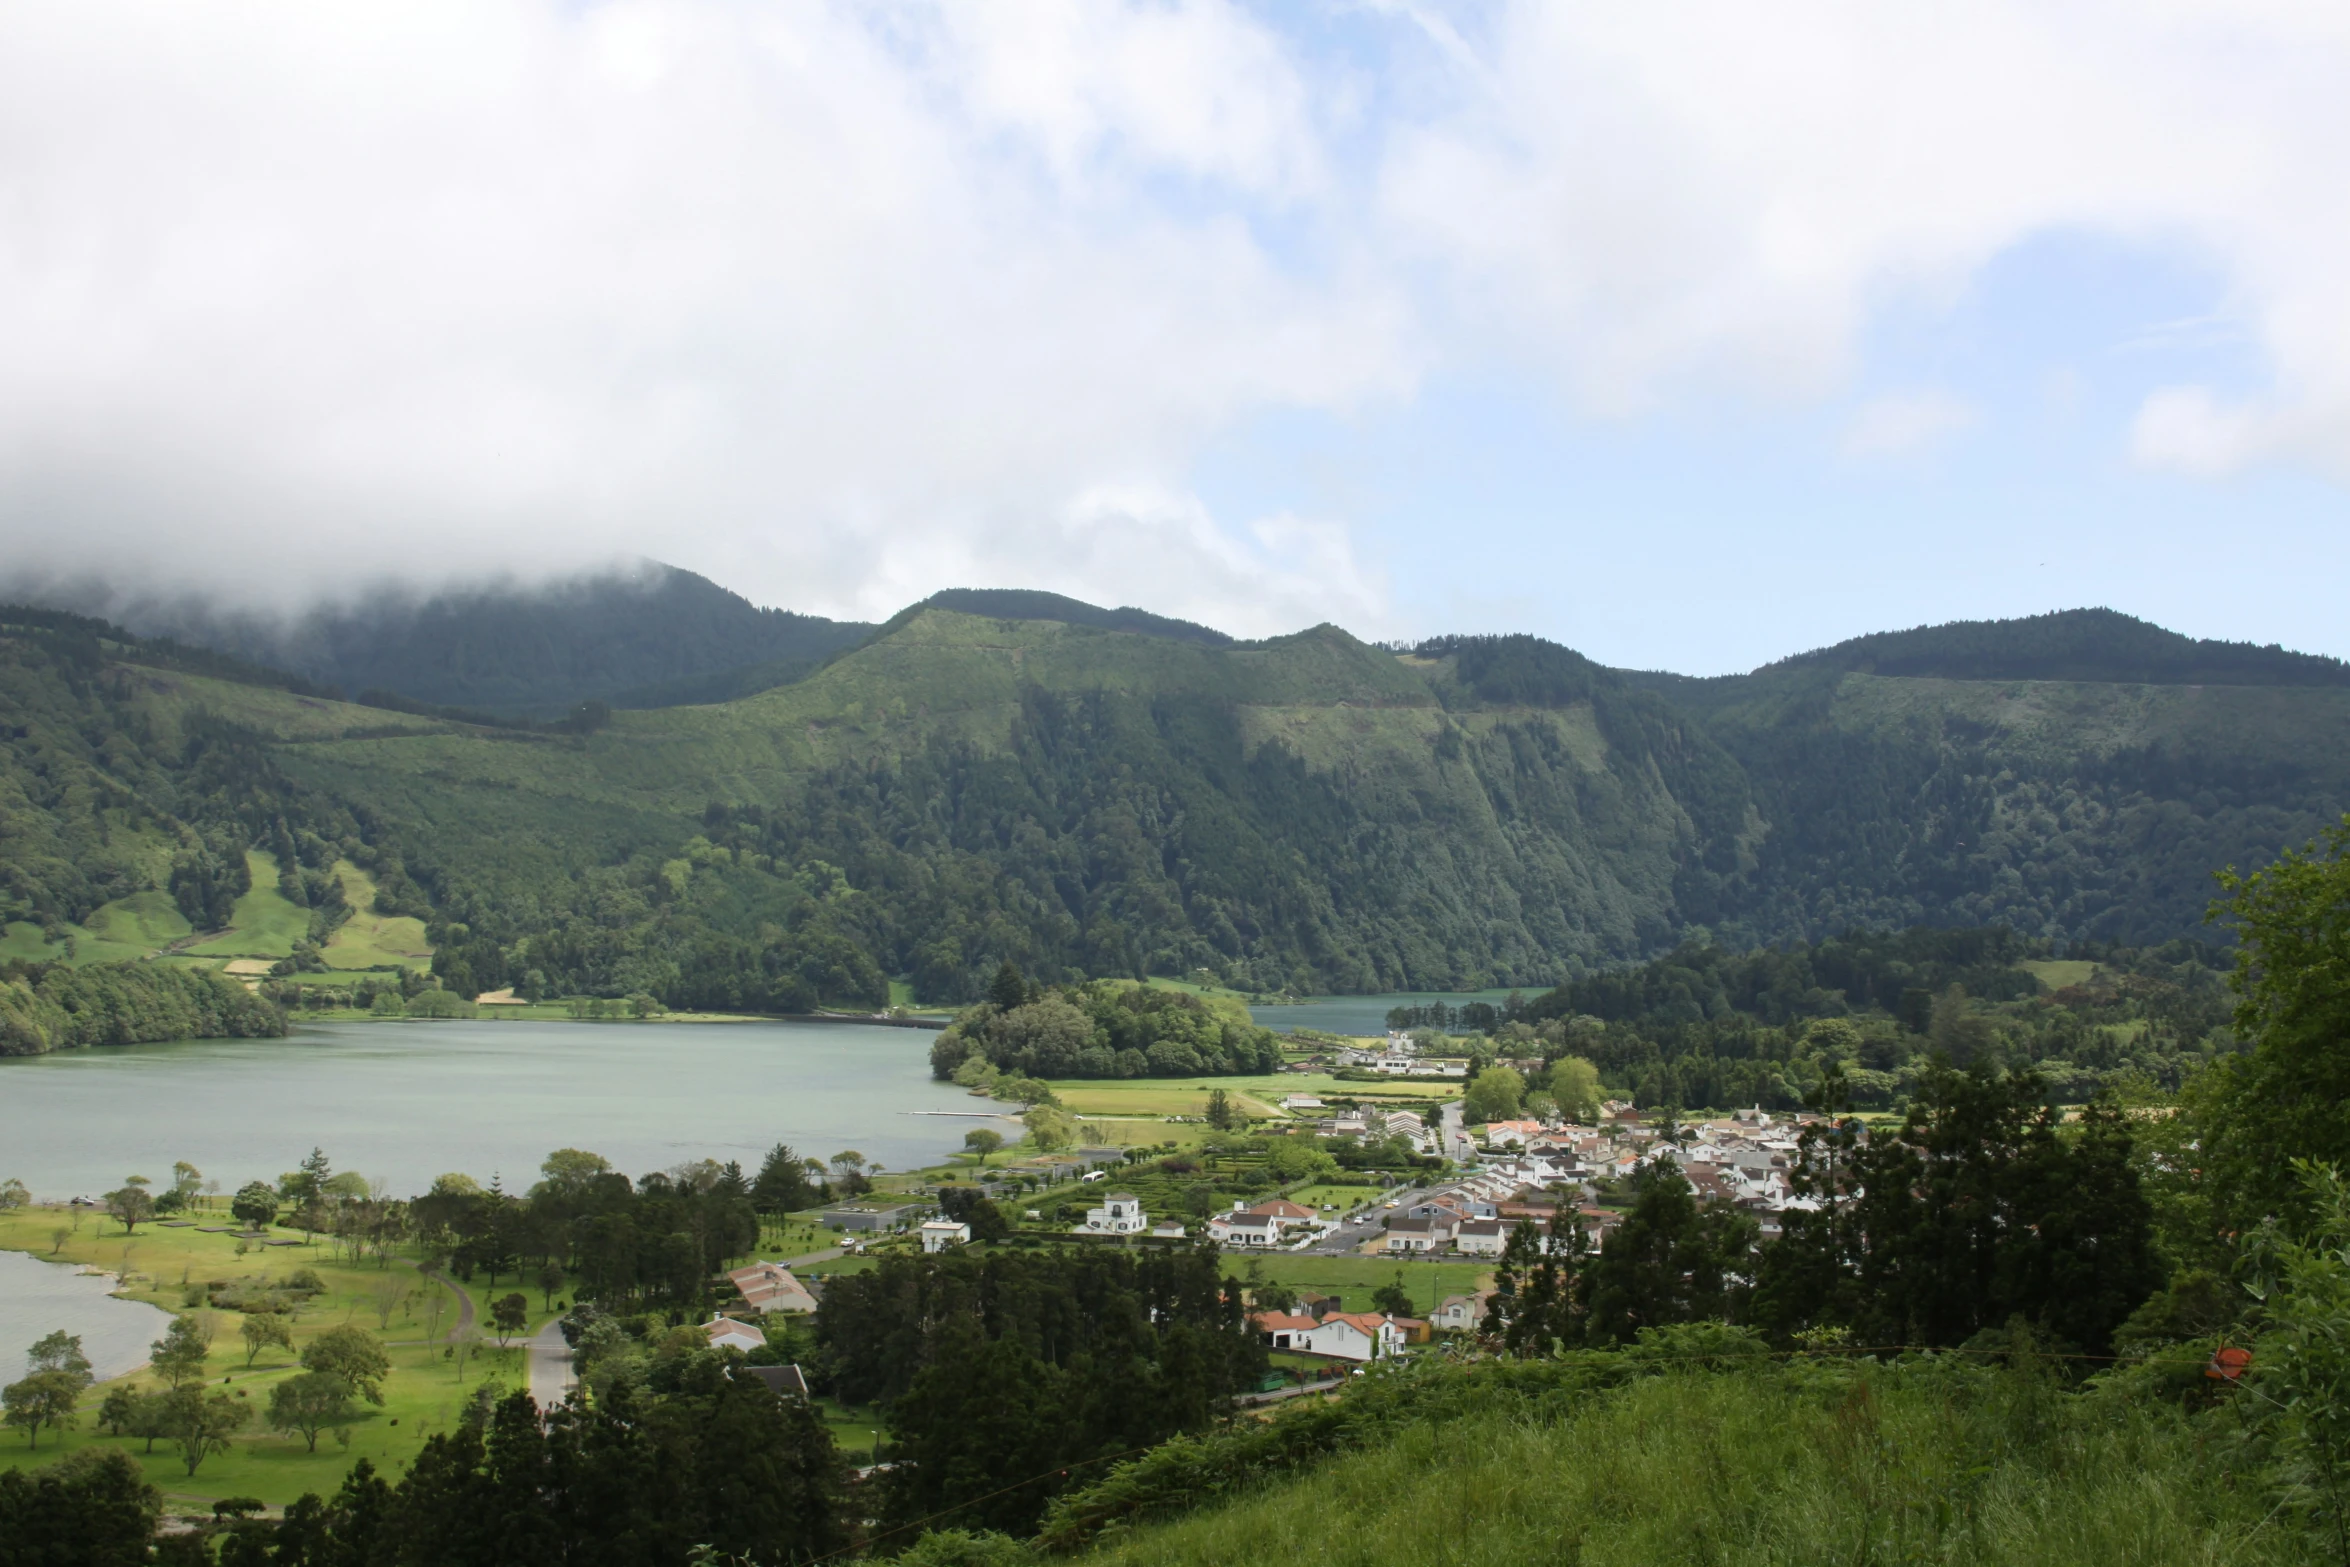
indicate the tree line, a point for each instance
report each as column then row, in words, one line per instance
column 1101, row 1030
column 55, row 1006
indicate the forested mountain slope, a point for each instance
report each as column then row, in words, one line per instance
column 1308, row 812
column 2073, row 775
column 1300, row 812
column 650, row 633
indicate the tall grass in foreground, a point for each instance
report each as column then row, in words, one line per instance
column 1778, row 1465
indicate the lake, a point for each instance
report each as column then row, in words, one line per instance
column 408, row 1101
column 37, row 1298
column 1366, row 1014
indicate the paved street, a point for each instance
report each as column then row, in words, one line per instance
column 550, row 1365
column 1349, row 1237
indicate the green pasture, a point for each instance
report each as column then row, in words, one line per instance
column 796, row 1237
column 368, row 940
column 1352, row 1279
column 147, row 921
column 2057, row 973
column 1259, row 1096
column 1229, row 1004
column 25, row 941
column 855, row 1428
column 263, row 925
column 424, row 1394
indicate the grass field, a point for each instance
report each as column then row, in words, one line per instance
column 1340, row 1197
column 370, row 940
column 23, row 940
column 855, row 1428
column 1697, row 1468
column 1260, row 1096
column 1224, row 1003
column 424, row 1394
column 2056, row 973
column 1353, row 1279
column 147, row 921
column 264, row 925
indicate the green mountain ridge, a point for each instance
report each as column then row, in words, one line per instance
column 1308, row 812
column 535, row 651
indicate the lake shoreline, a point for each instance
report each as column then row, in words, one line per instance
column 470, row 1095
column 36, row 1302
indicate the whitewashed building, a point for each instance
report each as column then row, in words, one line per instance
column 939, row 1234
column 1120, row 1214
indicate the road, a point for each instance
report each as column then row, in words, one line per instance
column 550, row 1365
column 814, row 1256
column 465, row 1312
column 1348, row 1238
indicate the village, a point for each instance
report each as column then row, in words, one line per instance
column 1474, row 1187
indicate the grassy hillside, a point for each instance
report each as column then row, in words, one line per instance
column 1123, row 796
column 1298, row 812
column 265, row 924
column 1807, row 1464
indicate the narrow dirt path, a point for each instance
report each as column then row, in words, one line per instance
column 465, row 1311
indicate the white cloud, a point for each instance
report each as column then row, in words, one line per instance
column 2188, row 430
column 1903, row 422
column 840, row 303
column 1650, row 198
column 811, row 298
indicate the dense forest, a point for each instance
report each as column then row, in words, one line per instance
column 1705, row 1026
column 53, row 1006
column 1106, row 1029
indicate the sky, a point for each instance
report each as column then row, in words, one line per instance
column 1690, row 335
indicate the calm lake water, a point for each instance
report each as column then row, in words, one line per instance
column 409, row 1101
column 1365, row 1014
column 37, row 1298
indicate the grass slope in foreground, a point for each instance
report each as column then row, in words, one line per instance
column 1938, row 1462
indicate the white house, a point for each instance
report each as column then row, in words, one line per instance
column 726, row 1333
column 1354, row 1336
column 1266, row 1224
column 1284, row 1329
column 1120, row 1214
column 1480, row 1237
column 1419, row 1234
column 1461, row 1313
column 939, row 1234
column 1243, row 1229
column 1168, row 1230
